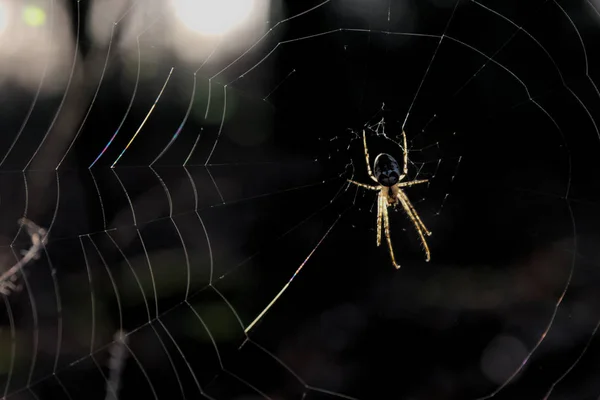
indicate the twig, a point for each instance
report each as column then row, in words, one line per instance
column 118, row 355
column 39, row 238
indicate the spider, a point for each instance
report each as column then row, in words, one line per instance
column 388, row 179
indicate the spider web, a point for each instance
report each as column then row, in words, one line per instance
column 159, row 189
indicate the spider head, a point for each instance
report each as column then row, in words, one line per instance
column 386, row 170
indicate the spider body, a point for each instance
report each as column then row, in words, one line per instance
column 387, row 170
column 389, row 187
column 390, row 194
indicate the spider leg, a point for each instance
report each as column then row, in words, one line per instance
column 367, row 158
column 386, row 224
column 370, row 187
column 414, row 217
column 414, row 211
column 410, row 183
column 405, row 156
column 380, row 206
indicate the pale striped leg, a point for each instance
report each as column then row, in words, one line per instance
column 410, row 183
column 416, row 221
column 370, row 187
column 367, row 158
column 412, row 208
column 386, row 225
column 380, row 206
column 405, row 156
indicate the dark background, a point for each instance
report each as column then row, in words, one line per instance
column 509, row 145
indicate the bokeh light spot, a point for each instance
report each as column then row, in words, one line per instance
column 213, row 17
column 34, row 16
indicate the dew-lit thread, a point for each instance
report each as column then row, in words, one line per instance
column 249, row 327
column 145, row 119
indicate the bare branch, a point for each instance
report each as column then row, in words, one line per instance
column 39, row 238
column 118, row 355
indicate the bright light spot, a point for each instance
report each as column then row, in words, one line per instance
column 3, row 17
column 34, row 16
column 213, row 17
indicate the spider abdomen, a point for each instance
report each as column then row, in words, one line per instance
column 386, row 170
